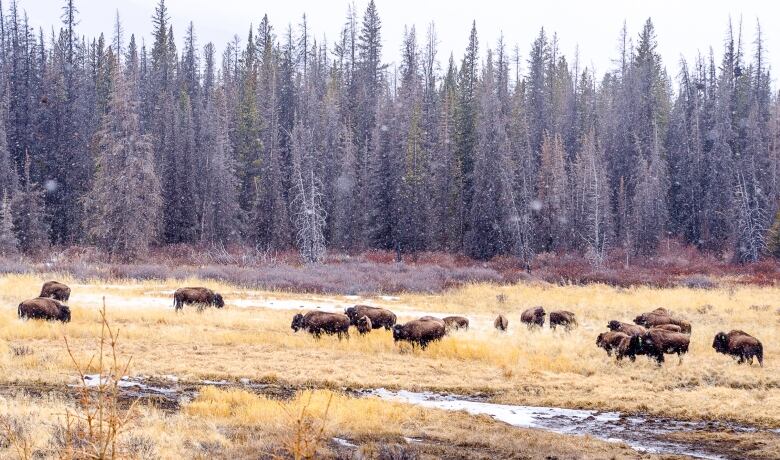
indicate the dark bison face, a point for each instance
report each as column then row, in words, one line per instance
column 635, row 344
column 600, row 339
column 640, row 320
column 398, row 333
column 218, row 301
column 297, row 322
column 721, row 342
column 64, row 314
column 613, row 325
column 351, row 313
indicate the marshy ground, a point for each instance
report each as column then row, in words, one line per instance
column 250, row 341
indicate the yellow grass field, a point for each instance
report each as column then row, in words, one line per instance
column 540, row 367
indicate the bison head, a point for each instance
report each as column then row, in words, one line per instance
column 613, row 325
column 721, row 342
column 641, row 319
column 297, row 322
column 398, row 333
column 364, row 324
column 351, row 313
column 600, row 340
column 218, row 301
column 64, row 315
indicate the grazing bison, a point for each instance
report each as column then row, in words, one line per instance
column 658, row 318
column 55, row 290
column 565, row 319
column 363, row 325
column 657, row 342
column 196, row 295
column 379, row 317
column 501, row 323
column 533, row 317
column 610, row 341
column 317, row 323
column 419, row 331
column 629, row 329
column 740, row 345
column 453, row 323
column 668, row 327
column 44, row 308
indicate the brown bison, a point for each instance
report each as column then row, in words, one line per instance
column 610, row 341
column 419, row 331
column 668, row 327
column 44, row 308
column 659, row 318
column 740, row 345
column 453, row 323
column 533, row 317
column 501, row 323
column 196, row 295
column 55, row 290
column 363, row 325
column 379, row 317
column 629, row 329
column 317, row 323
column 657, row 342
column 565, row 319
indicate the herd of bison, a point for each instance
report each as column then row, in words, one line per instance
column 653, row 334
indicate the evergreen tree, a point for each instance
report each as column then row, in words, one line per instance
column 8, row 242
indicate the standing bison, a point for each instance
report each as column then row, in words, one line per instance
column 379, row 317
column 453, row 323
column 629, row 329
column 565, row 319
column 197, row 296
column 55, row 290
column 533, row 317
column 501, row 323
column 660, row 317
column 739, row 345
column 317, row 323
column 363, row 325
column 610, row 341
column 419, row 331
column 657, row 342
column 44, row 308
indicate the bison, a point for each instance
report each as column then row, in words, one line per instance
column 739, row 345
column 501, row 323
column 668, row 327
column 629, row 329
column 44, row 308
column 533, row 317
column 379, row 317
column 317, row 323
column 453, row 323
column 55, row 290
column 660, row 317
column 565, row 319
column 363, row 325
column 196, row 295
column 419, row 331
column 657, row 342
column 610, row 341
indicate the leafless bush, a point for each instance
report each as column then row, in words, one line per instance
column 306, row 434
column 15, row 433
column 21, row 350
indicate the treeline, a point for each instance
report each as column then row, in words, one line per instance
column 283, row 141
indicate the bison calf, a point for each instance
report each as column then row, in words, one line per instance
column 565, row 319
column 419, row 331
column 739, row 345
column 379, row 317
column 55, row 290
column 533, row 317
column 317, row 323
column 501, row 323
column 44, row 308
column 198, row 296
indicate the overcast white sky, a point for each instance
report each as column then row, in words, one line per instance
column 683, row 27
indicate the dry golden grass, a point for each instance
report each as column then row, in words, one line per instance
column 521, row 367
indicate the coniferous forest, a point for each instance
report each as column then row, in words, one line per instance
column 281, row 140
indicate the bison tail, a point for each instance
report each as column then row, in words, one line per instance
column 760, row 354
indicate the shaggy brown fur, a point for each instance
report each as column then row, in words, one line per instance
column 379, row 317
column 629, row 329
column 655, row 318
column 565, row 319
column 739, row 345
column 196, row 295
column 317, row 323
column 364, row 325
column 419, row 331
column 453, row 323
column 533, row 317
column 44, row 308
column 657, row 342
column 668, row 327
column 501, row 323
column 610, row 341
column 55, row 290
